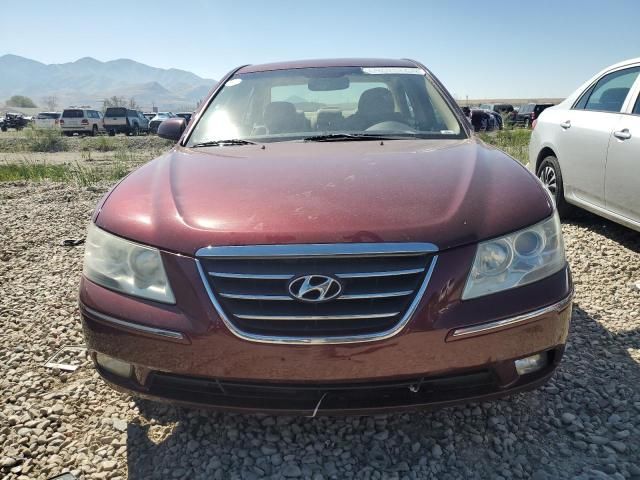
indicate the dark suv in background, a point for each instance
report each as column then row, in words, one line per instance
column 502, row 108
column 125, row 120
column 529, row 112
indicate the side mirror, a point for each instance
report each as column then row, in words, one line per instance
column 172, row 128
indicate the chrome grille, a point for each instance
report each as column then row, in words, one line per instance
column 381, row 287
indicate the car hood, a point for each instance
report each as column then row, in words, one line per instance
column 448, row 193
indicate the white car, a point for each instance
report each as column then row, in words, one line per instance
column 586, row 150
column 48, row 120
column 83, row 121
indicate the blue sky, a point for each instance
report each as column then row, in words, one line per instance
column 483, row 49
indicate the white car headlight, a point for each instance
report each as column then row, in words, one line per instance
column 125, row 266
column 517, row 259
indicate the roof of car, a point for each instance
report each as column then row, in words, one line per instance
column 329, row 62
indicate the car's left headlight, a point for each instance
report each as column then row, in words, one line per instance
column 127, row 267
column 517, row 259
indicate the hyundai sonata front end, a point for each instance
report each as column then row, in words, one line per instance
column 326, row 236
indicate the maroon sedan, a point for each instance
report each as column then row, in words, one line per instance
column 326, row 236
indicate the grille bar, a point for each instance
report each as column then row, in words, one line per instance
column 287, row 276
column 316, row 250
column 316, row 317
column 381, row 286
column 391, row 273
column 240, row 296
column 251, row 276
column 364, row 296
column 285, row 298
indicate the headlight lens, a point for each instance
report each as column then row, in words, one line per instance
column 125, row 266
column 517, row 259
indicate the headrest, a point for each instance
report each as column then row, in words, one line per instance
column 614, row 96
column 279, row 110
column 376, row 100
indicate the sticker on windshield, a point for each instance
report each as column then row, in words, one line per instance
column 233, row 82
column 447, row 132
column 397, row 70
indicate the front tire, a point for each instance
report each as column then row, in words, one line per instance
column 550, row 175
column 94, row 131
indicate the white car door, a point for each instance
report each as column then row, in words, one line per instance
column 586, row 132
column 622, row 181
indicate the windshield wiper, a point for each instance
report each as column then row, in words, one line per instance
column 337, row 137
column 218, row 143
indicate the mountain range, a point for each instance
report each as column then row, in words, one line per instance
column 88, row 81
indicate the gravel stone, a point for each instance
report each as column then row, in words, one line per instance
column 292, row 471
column 436, row 451
column 584, row 423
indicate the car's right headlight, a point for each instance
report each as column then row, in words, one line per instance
column 517, row 259
column 127, row 267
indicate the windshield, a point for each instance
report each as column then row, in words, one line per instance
column 73, row 114
column 304, row 103
column 115, row 112
column 48, row 115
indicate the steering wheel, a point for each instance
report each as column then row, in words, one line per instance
column 392, row 126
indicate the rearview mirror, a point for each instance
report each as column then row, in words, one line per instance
column 172, row 128
column 325, row 84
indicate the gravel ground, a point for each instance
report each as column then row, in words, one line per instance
column 585, row 423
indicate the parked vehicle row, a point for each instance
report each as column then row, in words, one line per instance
column 88, row 121
column 504, row 113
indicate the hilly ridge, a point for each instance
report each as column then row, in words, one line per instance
column 88, row 81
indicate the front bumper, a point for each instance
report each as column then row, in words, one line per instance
column 185, row 353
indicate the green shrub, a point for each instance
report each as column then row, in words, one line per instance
column 77, row 172
column 36, row 171
column 44, row 140
column 100, row 144
column 514, row 142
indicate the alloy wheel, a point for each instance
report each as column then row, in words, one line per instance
column 548, row 177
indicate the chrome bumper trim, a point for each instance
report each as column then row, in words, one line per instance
column 318, row 250
column 133, row 326
column 465, row 332
column 316, row 317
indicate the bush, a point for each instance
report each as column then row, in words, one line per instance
column 21, row 101
column 44, row 140
column 76, row 172
column 100, row 144
column 514, row 142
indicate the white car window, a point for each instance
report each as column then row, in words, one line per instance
column 610, row 92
